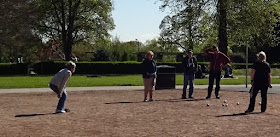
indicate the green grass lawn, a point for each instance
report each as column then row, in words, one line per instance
column 84, row 81
column 274, row 71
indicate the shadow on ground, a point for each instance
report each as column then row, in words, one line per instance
column 239, row 114
column 33, row 115
column 166, row 100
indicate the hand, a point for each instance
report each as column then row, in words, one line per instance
column 58, row 95
column 270, row 86
column 252, row 82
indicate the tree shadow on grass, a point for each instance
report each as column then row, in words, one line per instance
column 239, row 114
column 166, row 100
column 33, row 115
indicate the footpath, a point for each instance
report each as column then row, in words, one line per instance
column 241, row 88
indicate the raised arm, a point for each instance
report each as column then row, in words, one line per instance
column 227, row 59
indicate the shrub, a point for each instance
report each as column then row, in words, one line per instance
column 13, row 68
column 130, row 67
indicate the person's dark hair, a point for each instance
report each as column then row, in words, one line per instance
column 214, row 47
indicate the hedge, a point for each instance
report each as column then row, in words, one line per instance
column 113, row 67
column 13, row 68
column 46, row 68
column 91, row 67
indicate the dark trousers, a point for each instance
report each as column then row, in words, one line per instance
column 214, row 75
column 253, row 95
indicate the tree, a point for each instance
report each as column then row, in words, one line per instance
column 182, row 28
column 102, row 54
column 222, row 23
column 253, row 19
column 123, row 51
column 237, row 21
column 152, row 45
column 16, row 30
column 74, row 21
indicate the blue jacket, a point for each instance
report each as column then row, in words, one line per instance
column 149, row 68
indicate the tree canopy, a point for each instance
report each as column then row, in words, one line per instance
column 195, row 23
column 72, row 21
column 16, row 36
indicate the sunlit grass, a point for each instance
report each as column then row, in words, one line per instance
column 119, row 80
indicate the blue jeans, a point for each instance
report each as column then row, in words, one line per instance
column 188, row 79
column 62, row 100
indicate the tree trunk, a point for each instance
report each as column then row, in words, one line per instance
column 190, row 37
column 222, row 18
column 68, row 51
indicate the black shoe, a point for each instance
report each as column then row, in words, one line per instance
column 184, row 98
column 218, row 97
column 191, row 97
column 67, row 110
column 207, row 97
column 248, row 111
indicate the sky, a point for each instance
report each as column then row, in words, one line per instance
column 137, row 19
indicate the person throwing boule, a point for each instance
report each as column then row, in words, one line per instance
column 58, row 84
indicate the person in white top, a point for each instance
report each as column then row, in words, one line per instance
column 58, row 84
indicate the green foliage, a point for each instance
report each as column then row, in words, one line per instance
column 169, row 58
column 188, row 25
column 16, row 30
column 152, row 45
column 83, row 51
column 196, row 23
column 101, row 54
column 252, row 22
column 73, row 21
column 123, row 51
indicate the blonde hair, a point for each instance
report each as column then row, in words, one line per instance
column 261, row 56
column 149, row 53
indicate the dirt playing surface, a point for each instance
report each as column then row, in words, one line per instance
column 122, row 113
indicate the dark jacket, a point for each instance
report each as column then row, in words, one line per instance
column 190, row 65
column 261, row 77
column 149, row 68
column 217, row 60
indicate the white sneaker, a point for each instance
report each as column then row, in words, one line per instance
column 60, row 111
